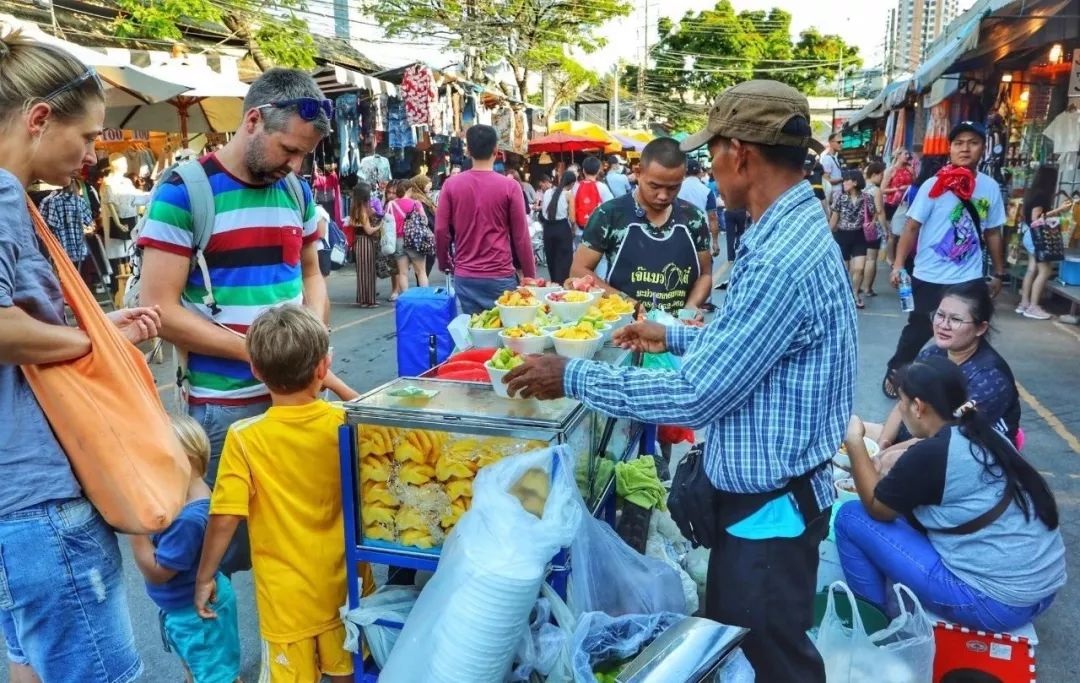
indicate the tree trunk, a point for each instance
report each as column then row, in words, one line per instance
column 240, row 27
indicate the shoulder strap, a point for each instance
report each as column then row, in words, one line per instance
column 974, row 213
column 201, row 199
column 296, row 191
column 982, row 521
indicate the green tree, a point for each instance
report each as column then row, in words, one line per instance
column 706, row 52
column 272, row 40
column 530, row 35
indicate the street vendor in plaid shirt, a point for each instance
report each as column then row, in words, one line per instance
column 771, row 380
column 67, row 213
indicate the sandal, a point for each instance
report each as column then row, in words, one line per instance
column 859, row 303
column 888, row 386
column 871, row 293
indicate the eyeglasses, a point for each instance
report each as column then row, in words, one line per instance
column 950, row 321
column 307, row 107
column 76, row 83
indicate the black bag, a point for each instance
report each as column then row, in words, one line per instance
column 1049, row 245
column 703, row 513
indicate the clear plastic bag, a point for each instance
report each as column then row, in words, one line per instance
column 469, row 619
column 392, row 603
column 607, row 575
column 901, row 653
column 603, row 641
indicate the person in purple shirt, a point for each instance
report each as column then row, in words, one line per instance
column 481, row 220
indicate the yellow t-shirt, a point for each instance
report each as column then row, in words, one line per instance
column 281, row 471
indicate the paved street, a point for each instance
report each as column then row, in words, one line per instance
column 1043, row 356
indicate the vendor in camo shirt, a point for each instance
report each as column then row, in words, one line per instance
column 654, row 245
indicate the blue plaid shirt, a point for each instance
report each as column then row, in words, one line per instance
column 772, row 378
column 67, row 214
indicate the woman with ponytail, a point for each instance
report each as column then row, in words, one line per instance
column 962, row 519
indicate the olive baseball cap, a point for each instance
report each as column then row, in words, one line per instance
column 757, row 111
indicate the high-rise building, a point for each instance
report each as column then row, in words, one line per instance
column 910, row 29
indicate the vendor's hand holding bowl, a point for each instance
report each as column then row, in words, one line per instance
column 648, row 337
column 539, row 377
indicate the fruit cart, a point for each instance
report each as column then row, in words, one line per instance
column 408, row 458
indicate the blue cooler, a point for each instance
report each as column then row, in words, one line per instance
column 1070, row 269
column 423, row 313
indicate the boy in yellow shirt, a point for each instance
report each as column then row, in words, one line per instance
column 280, row 471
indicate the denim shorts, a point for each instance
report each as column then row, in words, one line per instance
column 63, row 607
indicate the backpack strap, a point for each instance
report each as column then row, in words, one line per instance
column 201, row 199
column 295, row 186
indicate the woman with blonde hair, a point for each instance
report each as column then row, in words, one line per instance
column 63, row 606
column 420, row 190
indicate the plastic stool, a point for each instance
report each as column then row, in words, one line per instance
column 964, row 655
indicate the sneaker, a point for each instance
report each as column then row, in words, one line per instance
column 1036, row 313
column 1021, row 309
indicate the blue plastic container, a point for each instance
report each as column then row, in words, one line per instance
column 422, row 313
column 1070, row 269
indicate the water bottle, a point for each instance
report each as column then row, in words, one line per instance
column 907, row 298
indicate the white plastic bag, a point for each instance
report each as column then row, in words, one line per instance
column 666, row 543
column 607, row 575
column 601, row 640
column 469, row 619
column 391, row 603
column 459, row 331
column 901, row 653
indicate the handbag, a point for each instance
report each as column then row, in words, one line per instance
column 869, row 224
column 108, row 416
column 1049, row 246
column 388, row 236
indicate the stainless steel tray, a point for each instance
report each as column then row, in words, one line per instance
column 687, row 652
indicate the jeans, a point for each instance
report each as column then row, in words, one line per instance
column 873, row 553
column 63, row 608
column 558, row 249
column 478, row 294
column 216, row 420
column 919, row 329
column 768, row 586
column 348, row 130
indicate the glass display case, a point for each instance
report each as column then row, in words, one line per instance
column 415, row 456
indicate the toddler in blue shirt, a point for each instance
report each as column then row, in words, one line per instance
column 208, row 648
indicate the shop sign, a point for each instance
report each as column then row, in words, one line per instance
column 841, row 117
column 1074, row 74
column 120, row 135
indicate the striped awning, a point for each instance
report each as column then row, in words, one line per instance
column 334, row 80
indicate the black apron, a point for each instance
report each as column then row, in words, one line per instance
column 645, row 266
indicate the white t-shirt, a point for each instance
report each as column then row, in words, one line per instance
column 948, row 252
column 833, row 173
column 604, row 190
column 562, row 210
column 322, row 215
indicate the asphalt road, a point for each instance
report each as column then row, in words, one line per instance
column 1044, row 357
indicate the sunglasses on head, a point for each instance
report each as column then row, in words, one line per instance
column 76, row 83
column 308, row 108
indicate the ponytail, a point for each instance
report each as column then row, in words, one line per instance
column 566, row 182
column 941, row 384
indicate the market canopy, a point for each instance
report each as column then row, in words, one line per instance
column 562, row 142
column 212, row 102
column 125, row 83
column 960, row 36
column 629, row 143
column 588, row 130
column 635, row 134
column 334, row 79
column 879, row 106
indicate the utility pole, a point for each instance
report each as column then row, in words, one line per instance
column 641, row 69
column 615, row 97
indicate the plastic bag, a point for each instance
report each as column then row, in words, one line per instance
column 602, row 641
column 392, row 603
column 737, row 669
column 666, row 544
column 609, row 576
column 901, row 653
column 540, row 646
column 469, row 619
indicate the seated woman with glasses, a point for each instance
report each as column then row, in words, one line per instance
column 961, row 331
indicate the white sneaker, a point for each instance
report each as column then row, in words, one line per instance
column 1021, row 309
column 1036, row 313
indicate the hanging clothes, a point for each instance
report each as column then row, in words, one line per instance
column 1064, row 132
column 936, row 142
column 503, row 120
column 400, row 132
column 381, row 105
column 418, row 93
column 456, row 103
column 347, row 123
column 520, row 133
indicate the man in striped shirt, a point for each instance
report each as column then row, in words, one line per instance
column 771, row 381
column 262, row 253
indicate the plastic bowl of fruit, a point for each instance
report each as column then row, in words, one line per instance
column 569, row 305
column 524, row 339
column 577, row 341
column 499, row 366
column 540, row 287
column 484, row 329
column 845, row 490
column 517, row 307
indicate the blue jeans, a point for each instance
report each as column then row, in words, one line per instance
column 63, row 608
column 216, row 420
column 873, row 553
column 348, row 130
column 477, row 294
